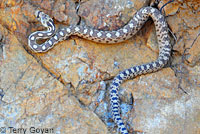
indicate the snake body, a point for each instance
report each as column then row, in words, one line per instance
column 119, row 35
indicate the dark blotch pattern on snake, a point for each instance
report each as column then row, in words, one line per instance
column 119, row 35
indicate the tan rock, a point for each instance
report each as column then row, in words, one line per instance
column 169, row 9
column 66, row 88
column 111, row 14
column 162, row 84
column 186, row 31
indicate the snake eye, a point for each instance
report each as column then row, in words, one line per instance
column 50, row 23
column 37, row 13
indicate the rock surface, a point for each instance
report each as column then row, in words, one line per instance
column 65, row 90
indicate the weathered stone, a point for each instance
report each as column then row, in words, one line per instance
column 65, row 12
column 161, row 84
column 30, row 91
column 67, row 88
column 111, row 14
column 186, row 31
column 169, row 9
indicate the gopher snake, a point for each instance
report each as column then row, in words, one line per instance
column 119, row 35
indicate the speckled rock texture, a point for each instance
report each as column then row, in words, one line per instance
column 65, row 90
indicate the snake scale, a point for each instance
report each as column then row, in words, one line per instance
column 124, row 33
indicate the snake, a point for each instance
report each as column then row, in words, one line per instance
column 54, row 36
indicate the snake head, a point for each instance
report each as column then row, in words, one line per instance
column 43, row 18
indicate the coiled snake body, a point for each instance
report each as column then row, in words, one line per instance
column 119, row 35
